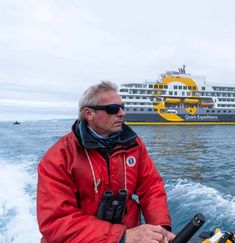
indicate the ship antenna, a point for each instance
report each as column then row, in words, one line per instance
column 182, row 70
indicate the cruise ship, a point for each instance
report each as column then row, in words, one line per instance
column 178, row 97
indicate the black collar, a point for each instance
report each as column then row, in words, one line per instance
column 88, row 141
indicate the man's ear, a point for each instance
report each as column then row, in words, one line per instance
column 88, row 114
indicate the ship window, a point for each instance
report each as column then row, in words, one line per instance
column 156, row 86
column 141, row 109
column 134, row 92
column 180, row 87
column 185, row 87
column 123, row 90
column 218, row 111
column 225, row 111
column 194, row 88
column 188, row 93
column 155, row 109
column 189, row 87
column 213, row 111
column 203, row 88
column 150, row 86
column 134, row 109
column 175, row 87
column 149, row 109
column 160, row 86
column 183, row 93
column 165, row 86
column 124, row 97
column 170, row 92
column 137, row 97
column 175, row 93
column 207, row 111
column 130, row 97
column 127, row 109
column 229, row 111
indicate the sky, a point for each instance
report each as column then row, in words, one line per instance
column 52, row 50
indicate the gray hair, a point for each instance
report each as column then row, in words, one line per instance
column 91, row 95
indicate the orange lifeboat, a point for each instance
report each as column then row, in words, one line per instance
column 206, row 104
column 191, row 101
column 172, row 101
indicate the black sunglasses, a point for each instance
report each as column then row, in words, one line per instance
column 110, row 109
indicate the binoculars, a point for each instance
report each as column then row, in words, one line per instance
column 112, row 210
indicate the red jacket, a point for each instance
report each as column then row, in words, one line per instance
column 67, row 200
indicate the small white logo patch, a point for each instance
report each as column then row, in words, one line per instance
column 131, row 161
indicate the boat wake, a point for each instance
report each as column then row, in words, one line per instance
column 186, row 198
column 17, row 204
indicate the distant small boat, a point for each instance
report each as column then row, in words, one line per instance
column 16, row 123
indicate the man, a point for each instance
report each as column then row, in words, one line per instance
column 99, row 154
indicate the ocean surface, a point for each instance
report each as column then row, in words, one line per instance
column 196, row 162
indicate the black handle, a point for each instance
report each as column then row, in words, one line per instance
column 190, row 229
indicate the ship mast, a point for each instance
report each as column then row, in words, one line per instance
column 182, row 70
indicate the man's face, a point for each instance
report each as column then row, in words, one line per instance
column 102, row 122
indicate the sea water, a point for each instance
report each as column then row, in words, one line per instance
column 196, row 162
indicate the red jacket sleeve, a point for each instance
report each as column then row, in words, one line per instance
column 151, row 191
column 59, row 218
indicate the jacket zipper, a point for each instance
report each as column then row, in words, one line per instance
column 106, row 157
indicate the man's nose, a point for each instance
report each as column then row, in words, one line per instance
column 121, row 112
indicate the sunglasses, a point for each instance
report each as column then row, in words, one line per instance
column 110, row 109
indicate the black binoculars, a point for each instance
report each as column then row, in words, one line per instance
column 112, row 210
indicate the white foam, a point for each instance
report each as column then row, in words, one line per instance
column 17, row 207
column 191, row 195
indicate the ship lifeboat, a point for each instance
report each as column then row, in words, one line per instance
column 172, row 101
column 191, row 101
column 206, row 104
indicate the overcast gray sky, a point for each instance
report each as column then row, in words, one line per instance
column 51, row 50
